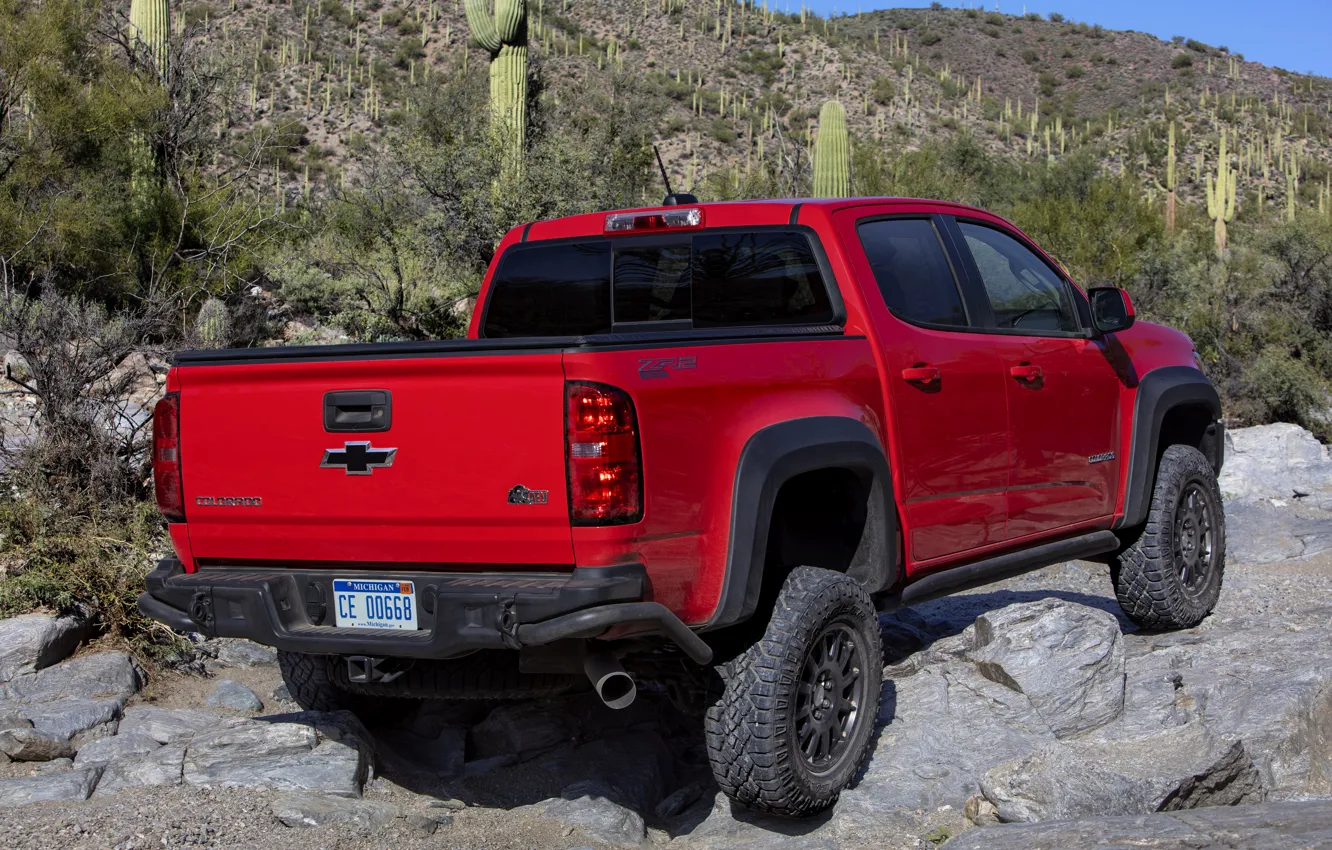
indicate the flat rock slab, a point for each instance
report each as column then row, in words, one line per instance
column 1275, row 462
column 305, row 810
column 299, row 752
column 173, row 725
column 67, row 785
column 112, row 675
column 108, row 749
column 1262, row 533
column 1181, row 768
column 235, row 652
column 1271, row 826
column 67, row 718
column 143, row 770
column 33, row 641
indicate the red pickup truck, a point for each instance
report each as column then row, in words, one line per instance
column 702, row 444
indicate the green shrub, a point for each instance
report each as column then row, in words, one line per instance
column 1181, row 60
column 1074, row 72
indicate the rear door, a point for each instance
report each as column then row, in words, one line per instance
column 1063, row 393
column 945, row 387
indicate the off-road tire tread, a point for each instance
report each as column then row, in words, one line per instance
column 306, row 677
column 745, row 730
column 1145, row 578
column 484, row 675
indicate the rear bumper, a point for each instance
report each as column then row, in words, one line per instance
column 291, row 609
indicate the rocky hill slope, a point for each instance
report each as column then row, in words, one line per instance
column 741, row 82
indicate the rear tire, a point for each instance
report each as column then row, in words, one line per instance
column 1169, row 577
column 308, row 680
column 794, row 723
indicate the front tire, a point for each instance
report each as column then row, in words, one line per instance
column 795, row 720
column 1170, row 576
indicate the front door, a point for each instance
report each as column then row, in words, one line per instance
column 946, row 391
column 1063, row 394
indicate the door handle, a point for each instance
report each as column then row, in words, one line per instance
column 1025, row 372
column 921, row 374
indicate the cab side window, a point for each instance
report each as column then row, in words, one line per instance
column 1024, row 292
column 912, row 271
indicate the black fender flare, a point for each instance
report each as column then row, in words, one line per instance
column 1160, row 391
column 774, row 455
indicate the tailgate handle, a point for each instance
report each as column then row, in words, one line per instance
column 361, row 411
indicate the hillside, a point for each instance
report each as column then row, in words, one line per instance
column 736, row 83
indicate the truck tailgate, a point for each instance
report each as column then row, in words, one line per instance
column 265, row 481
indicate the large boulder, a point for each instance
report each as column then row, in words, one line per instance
column 1067, row 659
column 33, row 641
column 520, row 728
column 1280, row 461
column 34, row 745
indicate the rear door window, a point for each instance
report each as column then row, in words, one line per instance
column 912, row 271
column 712, row 279
column 560, row 289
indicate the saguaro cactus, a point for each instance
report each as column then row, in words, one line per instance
column 1221, row 196
column 504, row 35
column 213, row 324
column 832, row 153
column 1171, row 183
column 151, row 22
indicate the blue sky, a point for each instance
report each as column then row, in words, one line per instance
column 1291, row 34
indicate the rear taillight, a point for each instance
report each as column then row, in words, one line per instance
column 166, row 458
column 605, row 464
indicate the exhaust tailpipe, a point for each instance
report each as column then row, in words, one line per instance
column 615, row 687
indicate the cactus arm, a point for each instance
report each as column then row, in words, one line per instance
column 151, row 22
column 511, row 20
column 483, row 25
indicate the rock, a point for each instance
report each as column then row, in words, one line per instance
column 480, row 767
column 282, row 694
column 172, row 725
column 33, row 641
column 423, row 824
column 599, row 818
column 14, row 718
column 442, row 756
column 113, row 675
column 1067, row 659
column 1272, row 825
column 927, row 754
column 1274, row 462
column 68, row 718
column 679, row 800
column 235, row 652
column 108, row 749
column 234, row 695
column 1180, row 768
column 143, row 770
column 67, row 785
column 304, row 752
column 34, row 745
column 519, row 728
column 1261, row 533
column 46, row 768
column 633, row 769
column 304, row 810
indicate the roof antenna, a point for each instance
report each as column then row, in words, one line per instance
column 672, row 199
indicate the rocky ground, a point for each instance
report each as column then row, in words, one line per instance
column 1026, row 714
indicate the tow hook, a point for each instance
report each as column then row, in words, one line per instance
column 369, row 670
column 506, row 622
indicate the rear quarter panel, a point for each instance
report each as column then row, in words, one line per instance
column 694, row 423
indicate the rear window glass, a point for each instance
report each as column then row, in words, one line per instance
column 551, row 290
column 912, row 271
column 757, row 279
column 710, row 280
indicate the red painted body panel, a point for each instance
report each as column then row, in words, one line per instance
column 981, row 462
column 467, row 429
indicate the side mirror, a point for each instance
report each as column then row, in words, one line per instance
column 1111, row 309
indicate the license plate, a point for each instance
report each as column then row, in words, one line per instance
column 366, row 604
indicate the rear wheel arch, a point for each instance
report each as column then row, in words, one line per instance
column 1175, row 405
column 800, row 463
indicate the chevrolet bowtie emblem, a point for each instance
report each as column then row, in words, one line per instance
column 357, row 458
